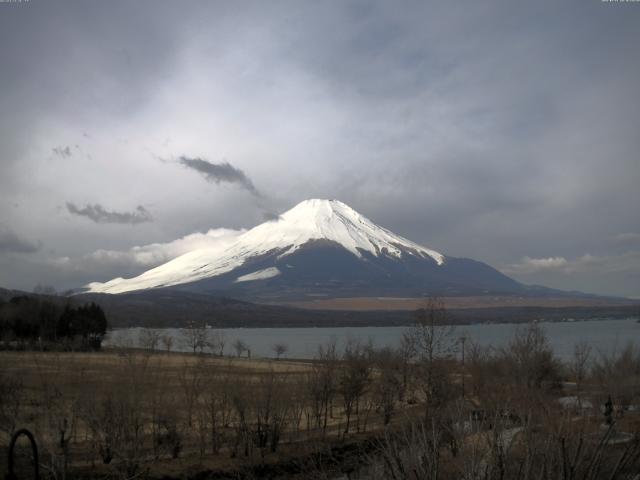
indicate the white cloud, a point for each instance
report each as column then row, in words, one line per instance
column 529, row 265
column 148, row 256
column 629, row 237
column 627, row 262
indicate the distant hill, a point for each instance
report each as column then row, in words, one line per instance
column 175, row 308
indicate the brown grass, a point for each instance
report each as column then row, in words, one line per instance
column 86, row 377
column 388, row 303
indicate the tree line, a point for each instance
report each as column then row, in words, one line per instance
column 51, row 323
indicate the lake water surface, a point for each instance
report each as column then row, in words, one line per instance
column 603, row 335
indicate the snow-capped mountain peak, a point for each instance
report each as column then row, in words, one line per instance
column 332, row 220
column 315, row 219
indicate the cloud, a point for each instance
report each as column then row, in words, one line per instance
column 157, row 253
column 104, row 264
column 628, row 238
column 270, row 216
column 13, row 243
column 531, row 265
column 628, row 262
column 63, row 152
column 220, row 173
column 65, row 271
column 99, row 214
column 451, row 140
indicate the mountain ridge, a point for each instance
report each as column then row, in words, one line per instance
column 308, row 221
column 319, row 248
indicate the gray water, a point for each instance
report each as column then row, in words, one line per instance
column 604, row 336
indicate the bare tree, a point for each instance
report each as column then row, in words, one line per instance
column 561, row 450
column 102, row 415
column 58, row 416
column 218, row 405
column 191, row 378
column 269, row 406
column 413, row 453
column 279, row 349
column 195, row 337
column 477, row 366
column 322, row 383
column 217, row 343
column 433, row 340
column 241, row 401
column 388, row 385
column 131, row 414
column 299, row 402
column 167, row 436
column 240, row 347
column 406, row 353
column 167, row 342
column 354, row 378
column 579, row 364
column 149, row 339
column 432, row 334
column 530, row 357
column 618, row 373
column 163, row 409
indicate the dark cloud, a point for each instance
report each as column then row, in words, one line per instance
column 11, row 242
column 220, row 173
column 270, row 216
column 63, row 152
column 99, row 214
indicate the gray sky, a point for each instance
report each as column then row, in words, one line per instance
column 498, row 130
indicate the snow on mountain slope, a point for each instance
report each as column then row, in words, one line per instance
column 259, row 275
column 309, row 220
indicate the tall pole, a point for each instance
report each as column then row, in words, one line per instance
column 462, row 340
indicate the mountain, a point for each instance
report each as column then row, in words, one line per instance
column 319, row 248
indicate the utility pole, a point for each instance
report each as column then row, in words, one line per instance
column 462, row 340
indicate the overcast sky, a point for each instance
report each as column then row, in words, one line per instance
column 505, row 131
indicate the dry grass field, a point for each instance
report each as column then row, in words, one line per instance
column 168, row 413
column 486, row 301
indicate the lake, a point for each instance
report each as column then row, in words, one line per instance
column 603, row 335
